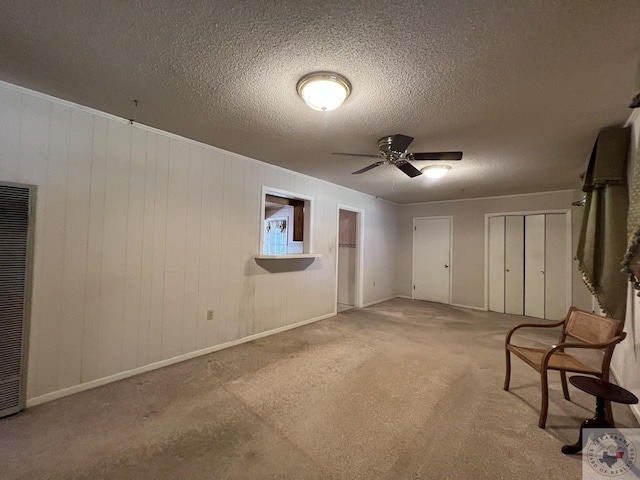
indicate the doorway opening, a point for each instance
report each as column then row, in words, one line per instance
column 349, row 258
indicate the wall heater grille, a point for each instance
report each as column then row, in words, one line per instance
column 14, row 257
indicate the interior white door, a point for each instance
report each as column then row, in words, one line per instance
column 431, row 259
column 556, row 266
column 534, row 264
column 496, row 264
column 514, row 265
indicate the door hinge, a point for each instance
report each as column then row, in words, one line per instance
column 414, row 287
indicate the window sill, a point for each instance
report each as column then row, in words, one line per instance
column 287, row 257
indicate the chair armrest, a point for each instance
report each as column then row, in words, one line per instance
column 596, row 346
column 531, row 325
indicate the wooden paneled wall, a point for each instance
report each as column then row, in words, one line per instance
column 139, row 233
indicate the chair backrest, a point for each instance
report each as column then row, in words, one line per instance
column 591, row 328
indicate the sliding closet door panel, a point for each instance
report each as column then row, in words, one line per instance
column 496, row 264
column 514, row 265
column 556, row 267
column 534, row 238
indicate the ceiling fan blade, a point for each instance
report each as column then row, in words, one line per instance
column 399, row 143
column 407, row 168
column 450, row 156
column 356, row 154
column 366, row 169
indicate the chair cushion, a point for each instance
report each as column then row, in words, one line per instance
column 558, row 361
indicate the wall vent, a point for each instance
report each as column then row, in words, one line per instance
column 15, row 245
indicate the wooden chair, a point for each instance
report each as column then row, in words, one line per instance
column 592, row 332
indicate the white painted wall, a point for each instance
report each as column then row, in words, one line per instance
column 139, row 233
column 626, row 359
column 468, row 258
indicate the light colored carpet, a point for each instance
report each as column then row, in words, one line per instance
column 399, row 390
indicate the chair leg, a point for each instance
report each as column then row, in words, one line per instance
column 507, row 377
column 544, row 407
column 565, row 388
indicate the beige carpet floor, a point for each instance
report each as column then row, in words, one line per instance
column 400, row 390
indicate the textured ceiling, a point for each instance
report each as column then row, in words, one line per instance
column 521, row 87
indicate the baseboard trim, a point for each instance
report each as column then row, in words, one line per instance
column 378, row 301
column 635, row 409
column 47, row 397
column 482, row 309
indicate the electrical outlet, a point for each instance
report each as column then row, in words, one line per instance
column 209, row 314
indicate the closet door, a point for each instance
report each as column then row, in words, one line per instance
column 528, row 265
column 514, row 265
column 496, row 264
column 16, row 231
column 534, row 265
column 556, row 262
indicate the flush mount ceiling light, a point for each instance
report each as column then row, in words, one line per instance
column 324, row 91
column 436, row 171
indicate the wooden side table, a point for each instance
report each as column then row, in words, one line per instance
column 602, row 391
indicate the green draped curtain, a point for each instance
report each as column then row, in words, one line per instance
column 603, row 236
column 631, row 262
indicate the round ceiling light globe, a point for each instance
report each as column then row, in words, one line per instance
column 436, row 171
column 324, row 91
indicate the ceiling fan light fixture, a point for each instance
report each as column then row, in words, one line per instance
column 435, row 171
column 324, row 91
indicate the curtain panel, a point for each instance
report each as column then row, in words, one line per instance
column 602, row 243
column 632, row 257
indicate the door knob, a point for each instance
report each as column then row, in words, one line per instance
column 507, row 269
column 542, row 272
column 446, row 266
